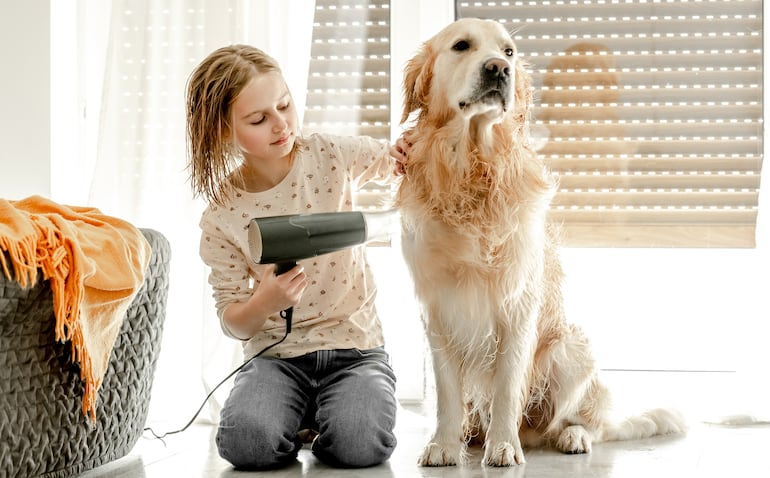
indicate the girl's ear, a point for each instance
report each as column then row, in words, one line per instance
column 417, row 79
column 227, row 132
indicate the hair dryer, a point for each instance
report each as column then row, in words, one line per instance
column 284, row 240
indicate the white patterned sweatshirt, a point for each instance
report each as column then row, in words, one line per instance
column 337, row 309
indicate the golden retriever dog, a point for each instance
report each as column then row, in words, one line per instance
column 510, row 371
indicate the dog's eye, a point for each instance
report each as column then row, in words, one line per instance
column 509, row 51
column 461, row 45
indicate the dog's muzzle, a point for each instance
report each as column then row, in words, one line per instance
column 494, row 85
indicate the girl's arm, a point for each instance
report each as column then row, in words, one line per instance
column 374, row 160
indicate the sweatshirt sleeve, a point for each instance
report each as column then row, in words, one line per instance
column 229, row 274
column 368, row 160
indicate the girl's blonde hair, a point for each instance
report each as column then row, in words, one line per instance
column 211, row 90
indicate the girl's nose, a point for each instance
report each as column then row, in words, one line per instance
column 280, row 124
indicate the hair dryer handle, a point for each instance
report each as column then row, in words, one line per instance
column 287, row 314
column 283, row 267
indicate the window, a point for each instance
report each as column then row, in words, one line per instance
column 349, row 79
column 653, row 115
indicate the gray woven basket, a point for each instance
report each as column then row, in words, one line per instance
column 43, row 431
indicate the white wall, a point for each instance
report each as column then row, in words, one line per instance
column 25, row 129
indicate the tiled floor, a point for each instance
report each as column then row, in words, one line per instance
column 706, row 451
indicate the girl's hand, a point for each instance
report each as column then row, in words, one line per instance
column 274, row 294
column 277, row 293
column 399, row 152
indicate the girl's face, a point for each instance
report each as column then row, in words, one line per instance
column 264, row 119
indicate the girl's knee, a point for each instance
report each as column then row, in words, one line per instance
column 249, row 447
column 355, row 453
column 355, row 444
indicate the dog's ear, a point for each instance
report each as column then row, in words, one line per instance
column 523, row 90
column 417, row 78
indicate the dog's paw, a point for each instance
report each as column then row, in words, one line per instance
column 436, row 454
column 574, row 440
column 667, row 421
column 504, row 454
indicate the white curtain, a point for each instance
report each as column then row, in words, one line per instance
column 139, row 164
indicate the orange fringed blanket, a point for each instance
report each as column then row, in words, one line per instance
column 95, row 265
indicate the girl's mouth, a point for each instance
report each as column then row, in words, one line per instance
column 283, row 140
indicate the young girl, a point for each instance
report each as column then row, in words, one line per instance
column 331, row 375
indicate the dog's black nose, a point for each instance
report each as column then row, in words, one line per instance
column 497, row 68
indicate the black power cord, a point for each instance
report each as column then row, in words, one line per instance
column 286, row 315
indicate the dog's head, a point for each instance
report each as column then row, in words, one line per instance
column 470, row 164
column 470, row 68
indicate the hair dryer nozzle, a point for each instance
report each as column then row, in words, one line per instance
column 380, row 225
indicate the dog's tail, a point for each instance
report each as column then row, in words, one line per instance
column 660, row 421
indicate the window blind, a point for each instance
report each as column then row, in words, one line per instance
column 650, row 112
column 348, row 89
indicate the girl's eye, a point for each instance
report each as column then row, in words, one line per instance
column 283, row 106
column 259, row 121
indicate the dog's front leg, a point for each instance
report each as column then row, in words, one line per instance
column 510, row 388
column 447, row 446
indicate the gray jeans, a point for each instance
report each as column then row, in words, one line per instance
column 348, row 396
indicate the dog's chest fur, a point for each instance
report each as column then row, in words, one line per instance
column 474, row 246
column 470, row 284
column 486, row 249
